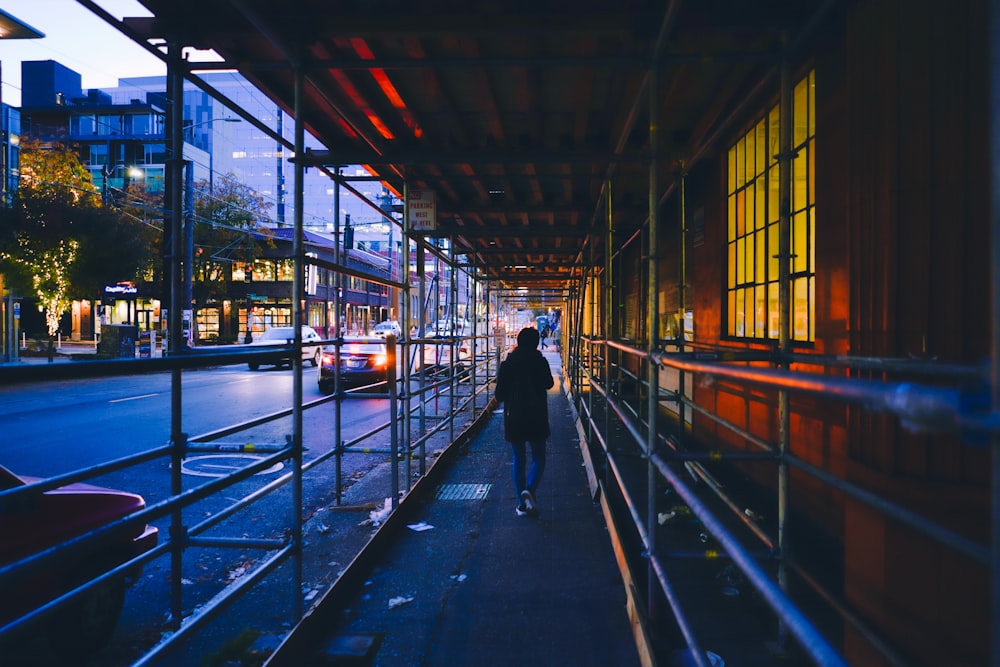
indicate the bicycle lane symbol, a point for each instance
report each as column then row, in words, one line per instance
column 220, row 465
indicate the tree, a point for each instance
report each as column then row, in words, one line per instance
column 229, row 228
column 58, row 240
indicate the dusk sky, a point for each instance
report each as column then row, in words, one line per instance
column 78, row 39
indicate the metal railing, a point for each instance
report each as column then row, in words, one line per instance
column 933, row 398
column 419, row 413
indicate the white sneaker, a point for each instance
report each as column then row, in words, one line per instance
column 521, row 510
column 528, row 500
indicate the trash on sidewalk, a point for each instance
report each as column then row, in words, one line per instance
column 420, row 527
column 399, row 601
column 378, row 515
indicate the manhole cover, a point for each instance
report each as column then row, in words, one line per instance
column 220, row 465
column 463, row 491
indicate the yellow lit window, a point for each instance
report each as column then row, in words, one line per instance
column 752, row 224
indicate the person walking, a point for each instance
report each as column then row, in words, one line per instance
column 523, row 381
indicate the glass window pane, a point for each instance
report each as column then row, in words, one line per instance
column 800, row 309
column 799, row 182
column 800, row 239
column 732, row 265
column 761, row 144
column 760, row 201
column 800, row 109
column 812, row 307
column 760, row 261
column 738, row 314
column 812, row 103
column 731, row 220
column 731, row 323
column 773, row 312
column 774, row 136
column 811, row 166
column 773, row 195
column 749, row 198
column 812, row 239
column 772, row 251
column 740, row 212
column 741, row 276
column 760, row 311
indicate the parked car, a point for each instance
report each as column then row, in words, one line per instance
column 277, row 336
column 32, row 524
column 389, row 327
column 363, row 360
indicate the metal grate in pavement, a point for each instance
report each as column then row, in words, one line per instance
column 463, row 491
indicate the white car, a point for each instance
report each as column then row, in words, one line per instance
column 389, row 327
column 279, row 336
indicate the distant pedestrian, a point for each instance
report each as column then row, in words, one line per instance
column 544, row 333
column 523, row 381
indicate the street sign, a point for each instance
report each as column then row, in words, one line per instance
column 421, row 210
column 17, row 309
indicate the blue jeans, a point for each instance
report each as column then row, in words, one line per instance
column 534, row 471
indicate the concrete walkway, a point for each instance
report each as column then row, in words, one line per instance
column 471, row 583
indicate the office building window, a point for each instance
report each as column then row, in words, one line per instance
column 752, row 220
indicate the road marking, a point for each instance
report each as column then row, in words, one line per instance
column 223, row 464
column 132, row 398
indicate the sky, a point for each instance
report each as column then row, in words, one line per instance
column 77, row 38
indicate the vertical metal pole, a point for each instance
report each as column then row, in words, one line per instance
column 189, row 246
column 338, row 286
column 455, row 344
column 784, row 321
column 406, row 350
column 472, row 302
column 682, row 305
column 298, row 319
column 172, row 213
column 652, row 330
column 390, row 348
column 608, row 308
column 994, row 75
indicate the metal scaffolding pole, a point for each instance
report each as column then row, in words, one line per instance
column 652, row 313
column 784, row 323
column 173, row 223
column 298, row 307
column 994, row 72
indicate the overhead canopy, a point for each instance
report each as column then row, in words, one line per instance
column 515, row 114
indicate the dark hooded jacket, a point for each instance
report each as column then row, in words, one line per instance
column 522, row 382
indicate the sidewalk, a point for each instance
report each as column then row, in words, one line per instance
column 467, row 582
column 64, row 353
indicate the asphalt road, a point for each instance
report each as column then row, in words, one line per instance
column 53, row 428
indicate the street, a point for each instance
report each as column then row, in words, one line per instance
column 54, row 428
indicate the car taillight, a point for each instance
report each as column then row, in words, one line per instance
column 328, row 359
column 379, row 360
